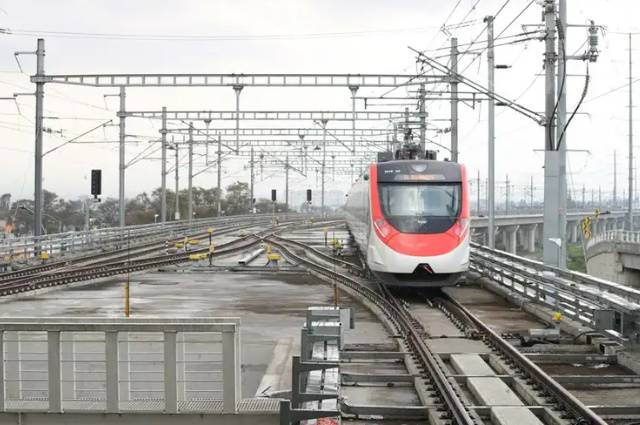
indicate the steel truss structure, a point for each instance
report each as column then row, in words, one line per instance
column 277, row 115
column 242, row 80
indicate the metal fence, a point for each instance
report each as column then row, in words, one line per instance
column 623, row 236
column 118, row 365
column 577, row 295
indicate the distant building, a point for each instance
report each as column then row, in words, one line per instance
column 5, row 202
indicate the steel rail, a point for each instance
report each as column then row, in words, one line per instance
column 403, row 323
column 107, row 258
column 346, row 264
column 91, row 272
column 123, row 251
column 114, row 269
column 563, row 397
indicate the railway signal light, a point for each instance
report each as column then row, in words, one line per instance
column 96, row 183
column 309, row 195
column 273, row 195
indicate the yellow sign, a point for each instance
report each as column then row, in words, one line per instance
column 212, row 248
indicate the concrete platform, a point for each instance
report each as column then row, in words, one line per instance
column 471, row 365
column 435, row 322
column 493, row 392
column 513, row 415
column 494, row 311
column 456, row 346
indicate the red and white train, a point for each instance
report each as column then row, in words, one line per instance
column 410, row 219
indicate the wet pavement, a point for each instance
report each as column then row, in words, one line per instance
column 271, row 308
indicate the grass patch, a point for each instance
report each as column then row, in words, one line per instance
column 575, row 258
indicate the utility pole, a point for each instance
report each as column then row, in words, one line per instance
column 395, row 140
column 238, row 88
column 190, row 187
column 163, row 193
column 123, row 165
column 593, row 197
column 207, row 123
column 561, row 131
column 423, row 121
column 615, row 180
column 478, row 197
column 630, row 194
column 251, row 184
column 531, row 193
column 491, row 187
column 177, row 212
column 286, row 183
column 599, row 196
column 219, row 175
column 38, row 195
column 554, row 209
column 324, row 161
column 507, row 196
column 354, row 90
column 454, row 100
column 584, row 202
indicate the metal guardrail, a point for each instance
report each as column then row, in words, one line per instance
column 623, row 236
column 117, row 365
column 576, row 295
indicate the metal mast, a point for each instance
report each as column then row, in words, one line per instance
column 251, row 184
column 630, row 193
column 190, row 186
column 491, row 187
column 561, row 133
column 163, row 194
column 286, row 183
column 122, row 116
column 454, row 98
column 219, row 175
column 553, row 243
column 38, row 195
column 324, row 161
column 177, row 212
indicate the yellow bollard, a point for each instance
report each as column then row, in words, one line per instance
column 126, row 299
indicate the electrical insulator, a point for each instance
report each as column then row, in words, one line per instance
column 592, row 55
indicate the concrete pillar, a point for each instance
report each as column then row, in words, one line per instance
column 505, row 242
column 511, row 239
column 574, row 232
column 531, row 238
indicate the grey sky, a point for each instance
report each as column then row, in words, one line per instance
column 387, row 27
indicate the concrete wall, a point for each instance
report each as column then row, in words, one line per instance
column 613, row 261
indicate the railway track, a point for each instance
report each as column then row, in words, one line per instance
column 137, row 250
column 114, row 267
column 561, row 406
column 401, row 323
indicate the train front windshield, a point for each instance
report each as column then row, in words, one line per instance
column 421, row 207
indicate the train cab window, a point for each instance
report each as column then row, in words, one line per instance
column 421, row 207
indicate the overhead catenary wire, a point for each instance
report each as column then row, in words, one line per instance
column 206, row 37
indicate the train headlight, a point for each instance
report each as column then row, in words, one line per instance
column 383, row 227
column 461, row 227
